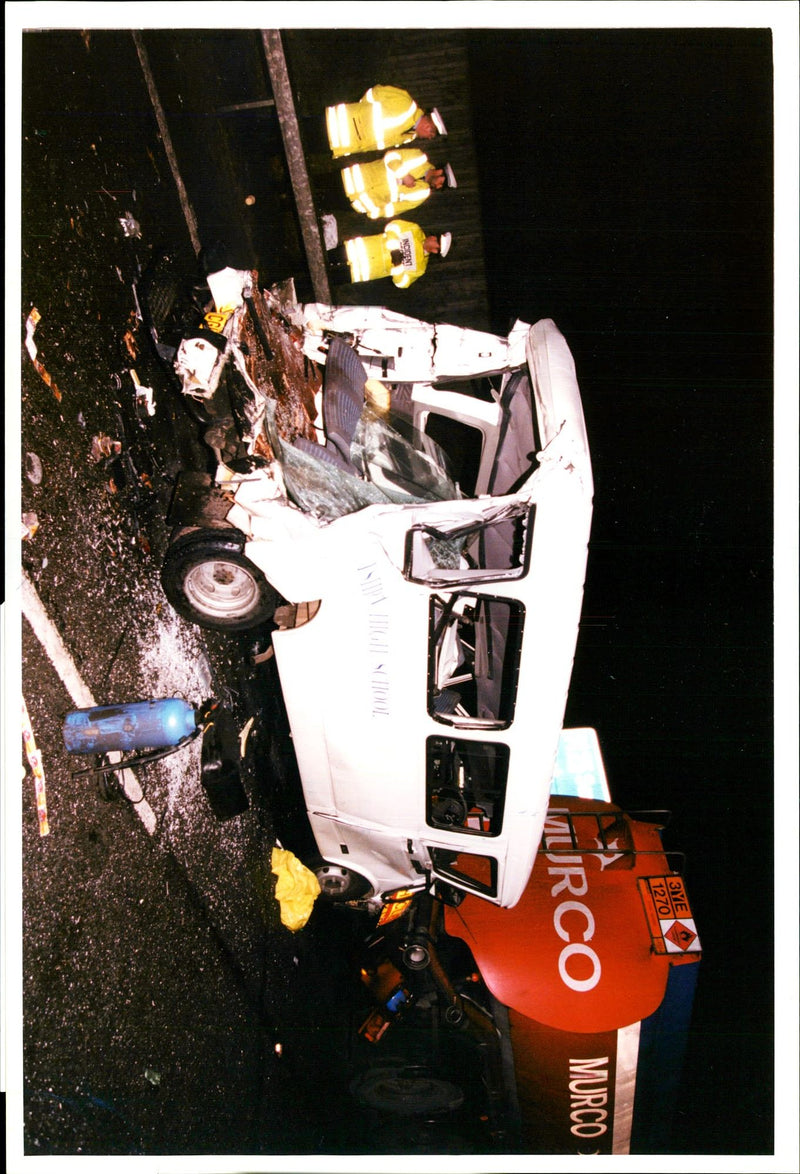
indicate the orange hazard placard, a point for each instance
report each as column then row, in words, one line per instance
column 669, row 915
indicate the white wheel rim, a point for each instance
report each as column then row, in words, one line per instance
column 333, row 882
column 221, row 589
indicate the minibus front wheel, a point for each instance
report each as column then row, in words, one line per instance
column 209, row 581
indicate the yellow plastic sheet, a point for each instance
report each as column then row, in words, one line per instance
column 297, row 888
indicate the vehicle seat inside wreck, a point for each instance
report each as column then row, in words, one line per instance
column 343, row 400
column 396, row 462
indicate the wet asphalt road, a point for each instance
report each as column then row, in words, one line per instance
column 157, row 977
column 166, row 1009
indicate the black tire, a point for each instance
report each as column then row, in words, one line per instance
column 407, row 1092
column 210, row 582
column 338, row 883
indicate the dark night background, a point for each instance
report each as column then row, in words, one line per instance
column 626, row 190
column 626, row 182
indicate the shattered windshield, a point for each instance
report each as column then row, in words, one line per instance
column 405, row 463
column 384, row 467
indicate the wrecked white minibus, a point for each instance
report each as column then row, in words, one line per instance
column 415, row 525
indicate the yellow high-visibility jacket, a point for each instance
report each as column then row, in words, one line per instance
column 376, row 188
column 370, row 257
column 384, row 117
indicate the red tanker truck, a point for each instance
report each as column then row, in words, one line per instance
column 557, row 1026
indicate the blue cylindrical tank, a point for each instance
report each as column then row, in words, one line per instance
column 140, row 725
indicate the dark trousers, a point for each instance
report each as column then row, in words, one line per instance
column 338, row 268
column 329, row 192
column 314, row 134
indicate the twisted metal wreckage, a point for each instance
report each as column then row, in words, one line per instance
column 526, row 932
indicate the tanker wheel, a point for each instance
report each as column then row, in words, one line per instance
column 407, row 1092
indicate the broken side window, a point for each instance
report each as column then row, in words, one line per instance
column 473, row 659
column 467, row 870
column 493, row 544
column 463, row 444
column 466, row 785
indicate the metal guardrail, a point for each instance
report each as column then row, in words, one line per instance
column 295, row 158
column 283, row 102
column 166, row 139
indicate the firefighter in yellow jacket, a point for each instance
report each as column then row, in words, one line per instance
column 400, row 181
column 401, row 252
column 386, row 116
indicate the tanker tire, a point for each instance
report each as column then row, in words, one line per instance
column 406, row 1092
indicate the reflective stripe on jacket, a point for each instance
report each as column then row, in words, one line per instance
column 384, row 117
column 370, row 257
column 376, row 188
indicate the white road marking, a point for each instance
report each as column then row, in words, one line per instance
column 50, row 640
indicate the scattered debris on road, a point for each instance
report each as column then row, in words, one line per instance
column 33, row 468
column 144, row 395
column 104, row 447
column 131, row 226
column 35, row 761
column 33, row 320
column 30, row 524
